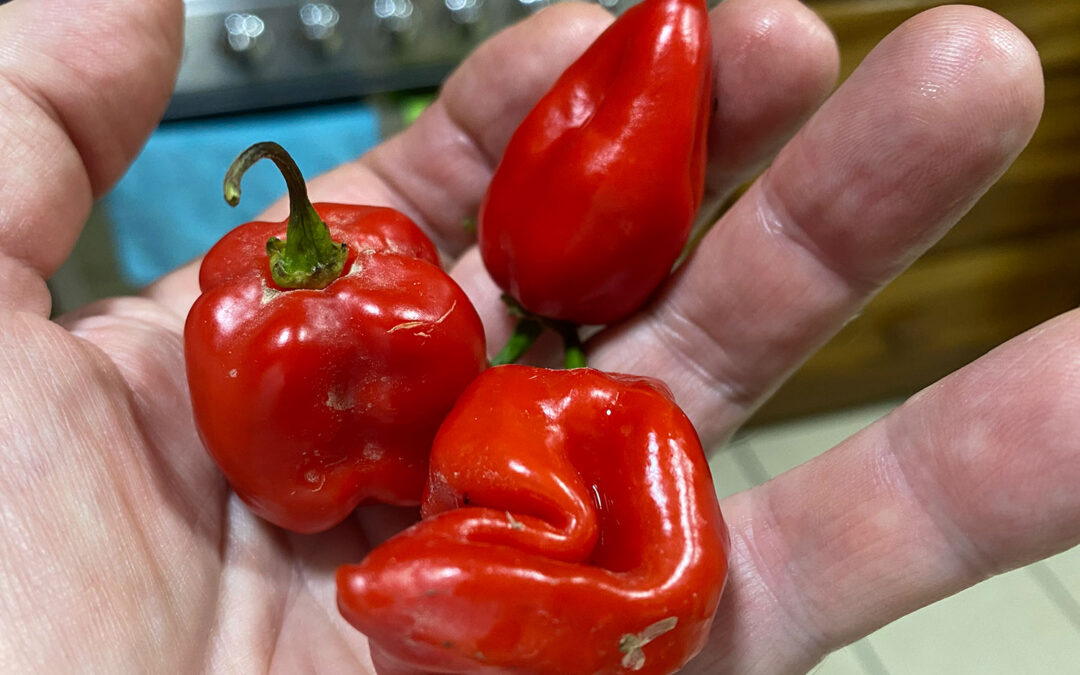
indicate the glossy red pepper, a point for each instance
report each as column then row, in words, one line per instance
column 570, row 526
column 596, row 193
column 320, row 373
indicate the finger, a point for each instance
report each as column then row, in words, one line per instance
column 972, row 477
column 774, row 61
column 81, row 84
column 921, row 129
column 437, row 170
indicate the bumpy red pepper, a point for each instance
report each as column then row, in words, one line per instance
column 570, row 526
column 597, row 191
column 320, row 370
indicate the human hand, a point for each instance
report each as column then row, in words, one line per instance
column 121, row 533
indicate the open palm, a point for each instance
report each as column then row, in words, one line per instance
column 124, row 550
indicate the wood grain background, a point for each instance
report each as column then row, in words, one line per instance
column 1011, row 263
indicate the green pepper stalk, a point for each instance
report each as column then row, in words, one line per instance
column 309, row 257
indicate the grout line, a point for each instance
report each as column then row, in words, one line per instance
column 1056, row 590
column 749, row 464
column 868, row 658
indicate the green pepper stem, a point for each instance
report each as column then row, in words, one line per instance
column 525, row 333
column 528, row 329
column 309, row 257
column 573, row 353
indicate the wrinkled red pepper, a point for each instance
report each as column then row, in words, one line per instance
column 597, row 191
column 321, row 366
column 570, row 526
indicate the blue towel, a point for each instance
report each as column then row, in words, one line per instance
column 168, row 208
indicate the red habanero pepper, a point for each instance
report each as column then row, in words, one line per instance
column 321, row 366
column 570, row 526
column 596, row 193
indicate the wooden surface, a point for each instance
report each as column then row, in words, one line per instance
column 1011, row 263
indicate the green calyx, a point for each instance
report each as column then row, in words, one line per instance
column 529, row 327
column 309, row 257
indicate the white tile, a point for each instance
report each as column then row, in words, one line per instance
column 1006, row 625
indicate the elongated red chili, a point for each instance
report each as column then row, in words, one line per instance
column 570, row 526
column 597, row 190
column 321, row 366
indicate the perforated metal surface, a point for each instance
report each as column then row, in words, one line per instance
column 250, row 54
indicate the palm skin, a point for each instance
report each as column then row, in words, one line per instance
column 124, row 550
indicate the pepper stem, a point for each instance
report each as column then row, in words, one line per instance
column 573, row 353
column 525, row 333
column 309, row 257
column 528, row 329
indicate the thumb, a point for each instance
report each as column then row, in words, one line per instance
column 83, row 83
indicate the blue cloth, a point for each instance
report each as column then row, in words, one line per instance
column 168, row 208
